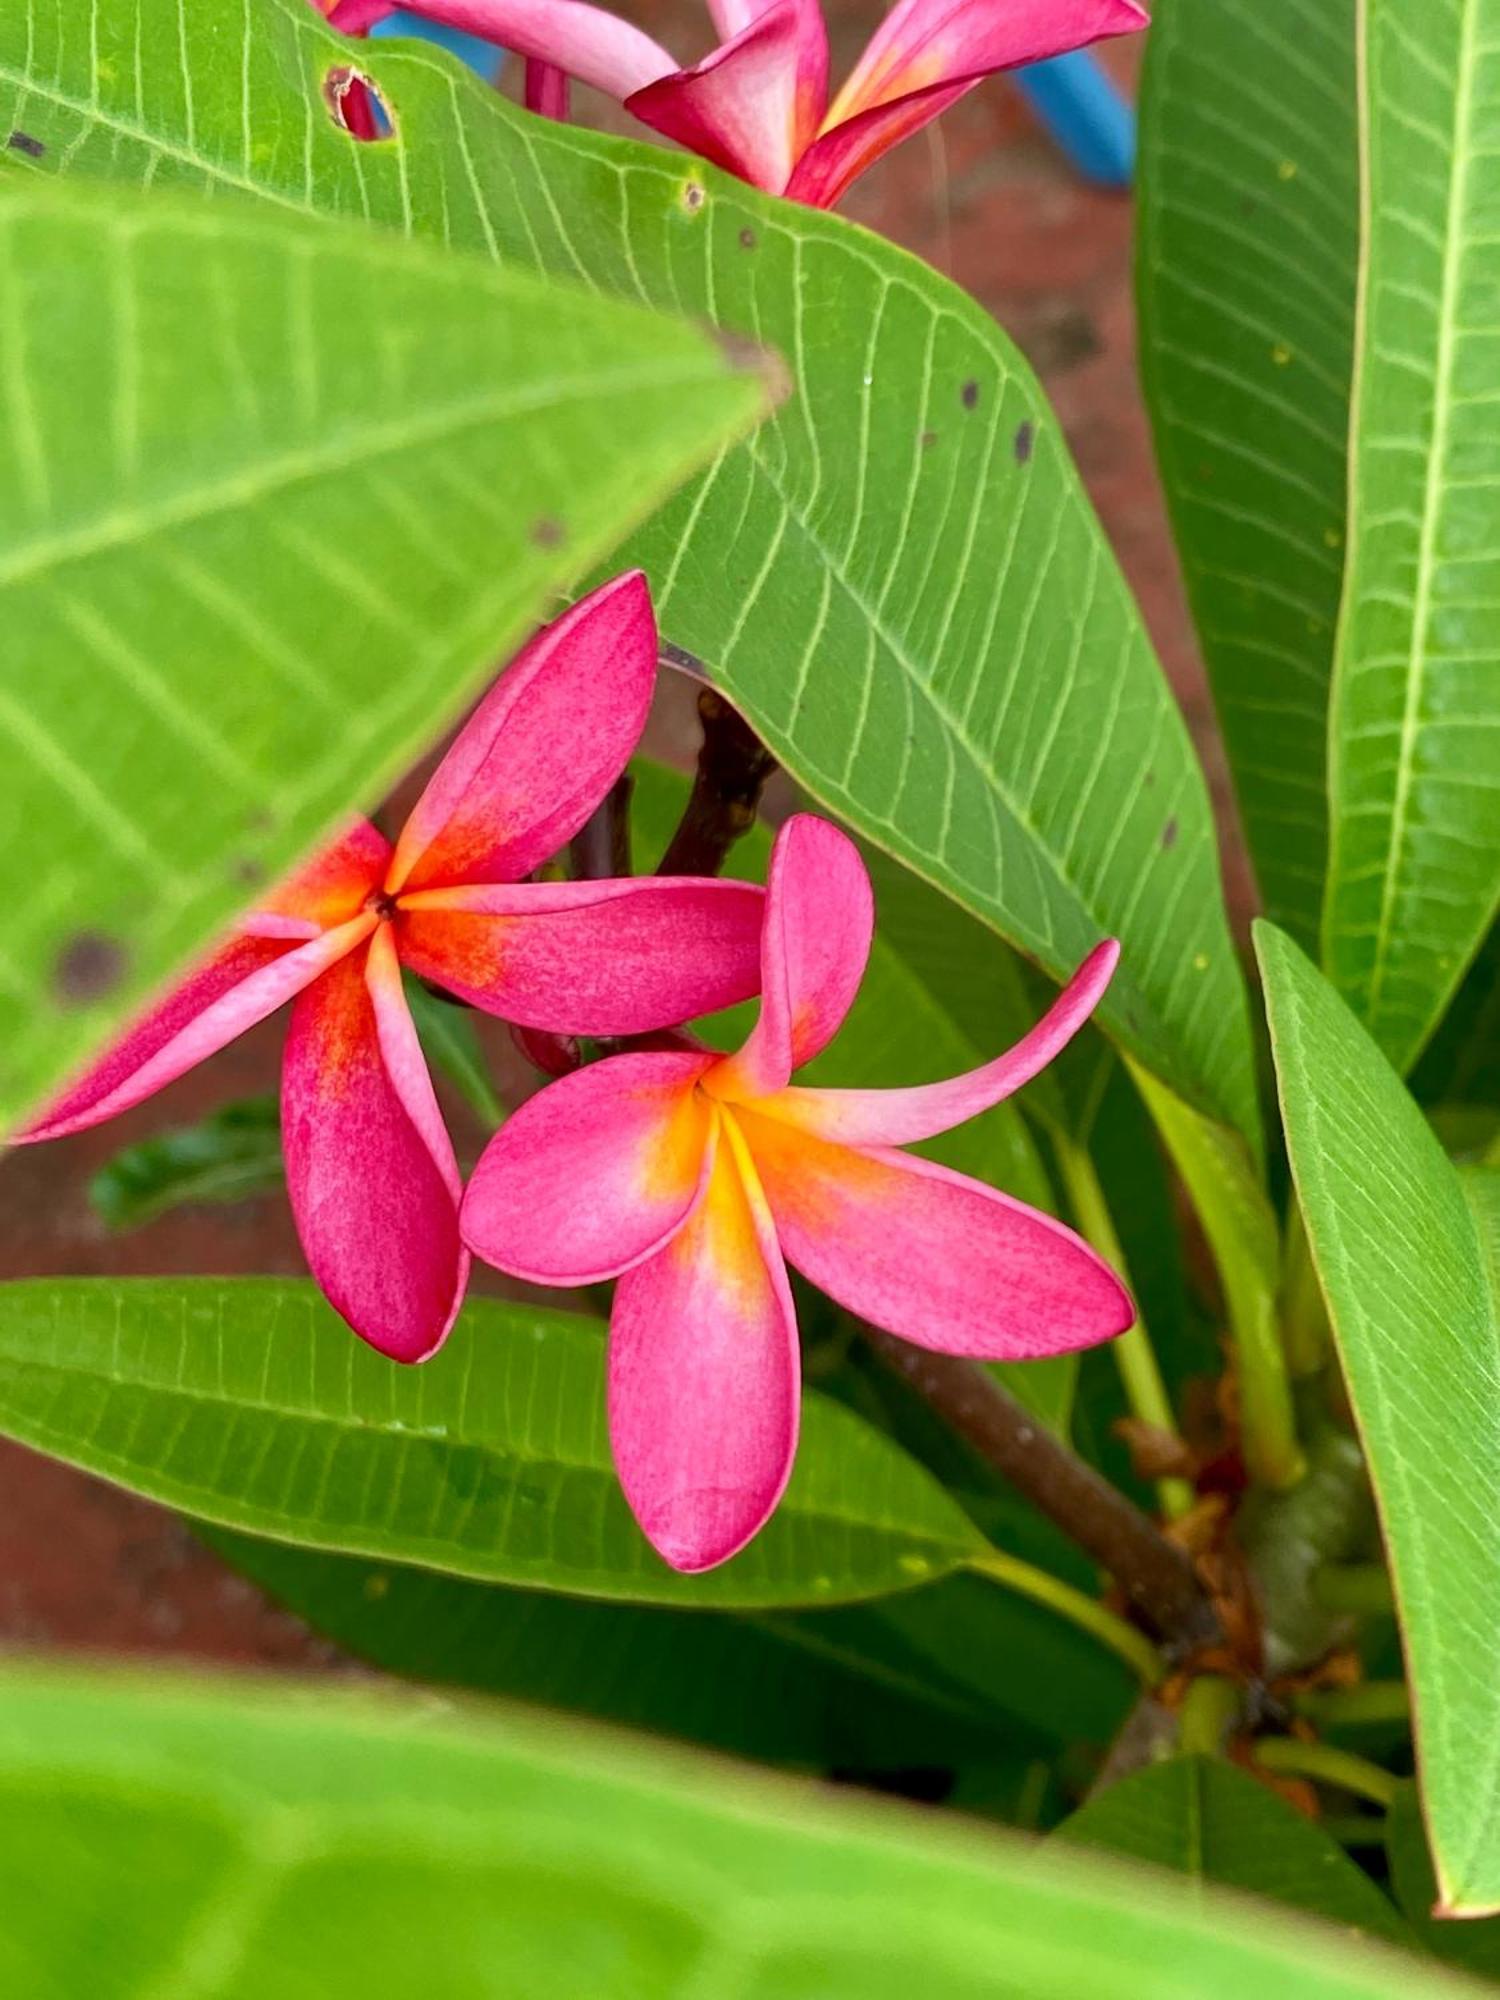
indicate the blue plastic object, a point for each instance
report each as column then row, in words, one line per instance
column 482, row 56
column 1086, row 114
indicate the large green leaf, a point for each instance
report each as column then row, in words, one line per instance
column 1399, row 1240
column 276, row 496
column 1200, row 1817
column 1474, row 1947
column 1414, row 865
column 181, row 1840
column 905, row 587
column 250, row 1404
column 786, row 1687
column 1249, row 254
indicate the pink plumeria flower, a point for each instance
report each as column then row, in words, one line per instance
column 694, row 1178
column 758, row 105
column 370, row 1168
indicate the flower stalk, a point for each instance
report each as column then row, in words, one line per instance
column 1135, row 1357
column 1156, row 1576
column 733, row 769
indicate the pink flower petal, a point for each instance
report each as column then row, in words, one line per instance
column 331, row 888
column 589, row 958
column 923, row 43
column 928, row 1254
column 589, row 43
column 756, row 102
column 541, row 749
column 371, row 1174
column 732, row 17
column 819, row 919
column 924, row 57
column 594, row 1173
column 704, row 1377
column 548, row 91
column 902, row 1117
column 240, row 984
column 834, row 162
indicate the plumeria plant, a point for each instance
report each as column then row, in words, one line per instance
column 822, row 1233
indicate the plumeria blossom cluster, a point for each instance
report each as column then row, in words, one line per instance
column 759, row 105
column 690, row 1177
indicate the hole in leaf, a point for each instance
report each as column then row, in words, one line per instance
column 356, row 105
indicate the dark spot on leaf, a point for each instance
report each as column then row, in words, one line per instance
column 1150, row 779
column 970, row 395
column 693, row 197
column 929, row 439
column 260, row 821
column 248, row 870
column 89, row 967
column 1025, row 442
column 1169, row 833
column 23, row 142
column 549, row 532
column 747, row 239
column 356, row 105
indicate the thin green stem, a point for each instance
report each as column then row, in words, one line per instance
column 1087, row 1613
column 1209, row 1711
column 1355, row 1829
column 1342, row 1708
column 1305, row 1331
column 1325, row 1765
column 1242, row 1233
column 1135, row 1357
column 1360, row 1589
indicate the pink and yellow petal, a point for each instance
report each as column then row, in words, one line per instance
column 924, row 57
column 333, row 887
column 371, row 1175
column 928, row 1254
column 589, row 958
column 542, row 748
column 590, row 43
column 704, row 1377
column 243, row 982
column 903, row 1117
column 922, row 44
column 594, row 1173
column 756, row 102
column 819, row 919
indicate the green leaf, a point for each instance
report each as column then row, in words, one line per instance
column 1242, row 1233
column 263, row 1842
column 1461, row 1064
column 1414, row 866
column 1200, row 1817
column 231, row 1155
column 786, row 1688
column 1248, row 269
column 248, row 1403
column 1475, row 1947
column 264, row 530
column 1403, row 1265
column 904, row 587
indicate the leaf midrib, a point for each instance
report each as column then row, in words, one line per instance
column 958, row 731
column 1437, row 459
column 372, row 442
column 402, row 1433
